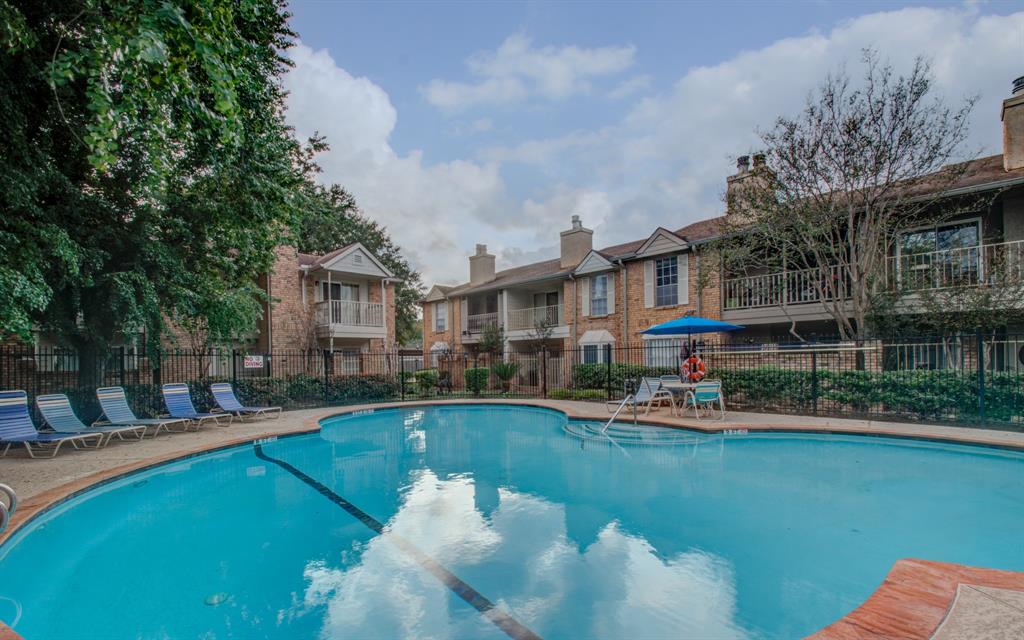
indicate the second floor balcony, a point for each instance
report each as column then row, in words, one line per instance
column 783, row 288
column 985, row 264
column 476, row 323
column 350, row 318
column 532, row 317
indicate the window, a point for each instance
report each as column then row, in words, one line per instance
column 339, row 291
column 942, row 256
column 599, row 295
column 440, row 316
column 666, row 282
column 596, row 353
column 662, row 353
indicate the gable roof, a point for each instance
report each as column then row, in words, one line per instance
column 437, row 292
column 326, row 261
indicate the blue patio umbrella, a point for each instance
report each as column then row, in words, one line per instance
column 688, row 325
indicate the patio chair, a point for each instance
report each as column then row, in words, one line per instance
column 648, row 392
column 59, row 416
column 16, row 426
column 117, row 412
column 224, row 395
column 704, row 396
column 179, row 405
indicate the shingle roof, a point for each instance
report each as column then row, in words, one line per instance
column 313, row 260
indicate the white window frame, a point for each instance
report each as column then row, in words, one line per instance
column 674, row 285
column 598, row 349
column 603, row 300
column 440, row 316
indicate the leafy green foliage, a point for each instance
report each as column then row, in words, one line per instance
column 476, row 379
column 577, row 394
column 595, row 376
column 146, row 170
column 492, row 339
column 426, row 381
column 505, row 371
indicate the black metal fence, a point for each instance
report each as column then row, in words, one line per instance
column 970, row 379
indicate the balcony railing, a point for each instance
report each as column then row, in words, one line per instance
column 477, row 323
column 529, row 318
column 988, row 264
column 784, row 288
column 350, row 313
column 993, row 264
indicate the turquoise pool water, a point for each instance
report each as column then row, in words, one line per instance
column 493, row 522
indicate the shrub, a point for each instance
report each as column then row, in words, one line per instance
column 426, row 381
column 476, row 379
column 595, row 376
column 360, row 388
column 505, row 371
column 577, row 394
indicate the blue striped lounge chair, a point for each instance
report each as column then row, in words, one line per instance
column 16, row 427
column 59, row 416
column 116, row 412
column 179, row 405
column 224, row 395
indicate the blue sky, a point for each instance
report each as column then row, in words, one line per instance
column 457, row 123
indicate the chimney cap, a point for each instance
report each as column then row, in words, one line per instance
column 576, row 224
column 481, row 249
column 758, row 159
column 743, row 163
column 1018, row 85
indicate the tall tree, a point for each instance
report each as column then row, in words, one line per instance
column 333, row 219
column 145, row 166
column 842, row 181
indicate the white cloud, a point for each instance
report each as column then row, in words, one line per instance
column 666, row 161
column 431, row 210
column 629, row 87
column 517, row 70
column 663, row 163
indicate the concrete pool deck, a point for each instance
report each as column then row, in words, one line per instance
column 41, row 484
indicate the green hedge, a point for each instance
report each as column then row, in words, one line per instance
column 426, row 381
column 595, row 376
column 925, row 394
column 577, row 394
column 476, row 379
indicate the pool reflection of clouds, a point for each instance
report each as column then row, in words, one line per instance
column 522, row 559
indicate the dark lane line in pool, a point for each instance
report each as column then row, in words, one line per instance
column 512, row 627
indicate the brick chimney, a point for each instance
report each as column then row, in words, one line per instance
column 576, row 243
column 481, row 266
column 1013, row 127
column 734, row 183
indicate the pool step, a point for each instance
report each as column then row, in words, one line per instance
column 628, row 434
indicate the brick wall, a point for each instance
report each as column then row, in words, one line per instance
column 291, row 322
column 641, row 317
column 449, row 335
column 612, row 323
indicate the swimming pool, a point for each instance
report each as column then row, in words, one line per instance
column 493, row 522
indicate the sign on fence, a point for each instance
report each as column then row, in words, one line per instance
column 252, row 362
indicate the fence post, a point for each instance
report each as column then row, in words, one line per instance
column 814, row 382
column 157, row 377
column 608, row 369
column 401, row 374
column 324, row 356
column 121, row 372
column 981, row 373
column 234, row 368
column 544, row 371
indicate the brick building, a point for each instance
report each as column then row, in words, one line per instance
column 596, row 297
column 588, row 298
